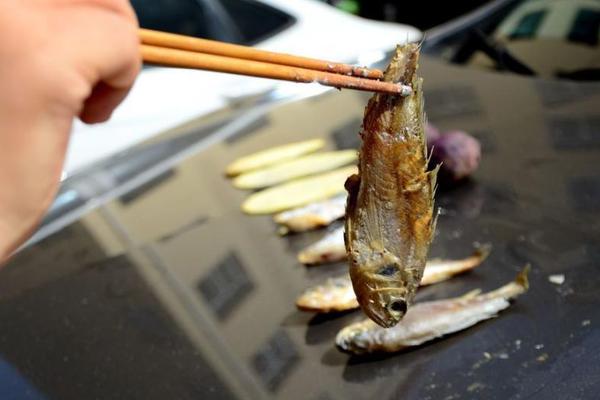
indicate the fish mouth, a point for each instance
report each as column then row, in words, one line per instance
column 392, row 311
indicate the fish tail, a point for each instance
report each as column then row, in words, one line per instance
column 513, row 289
column 483, row 251
column 522, row 277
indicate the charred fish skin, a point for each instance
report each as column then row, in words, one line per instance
column 389, row 213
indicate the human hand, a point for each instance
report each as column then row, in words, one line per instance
column 59, row 59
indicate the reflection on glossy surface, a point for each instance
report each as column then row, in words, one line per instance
column 174, row 293
column 537, row 30
column 549, row 38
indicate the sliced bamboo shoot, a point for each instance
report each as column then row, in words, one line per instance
column 273, row 155
column 297, row 168
column 298, row 192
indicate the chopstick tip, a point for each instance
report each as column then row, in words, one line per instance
column 404, row 90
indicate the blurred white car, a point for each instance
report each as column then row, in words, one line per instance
column 163, row 98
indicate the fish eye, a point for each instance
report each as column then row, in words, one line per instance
column 388, row 270
column 398, row 306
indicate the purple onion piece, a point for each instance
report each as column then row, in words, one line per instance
column 458, row 152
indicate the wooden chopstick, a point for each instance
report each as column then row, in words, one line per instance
column 235, row 63
column 188, row 59
column 180, row 42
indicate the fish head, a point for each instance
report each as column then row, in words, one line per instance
column 357, row 338
column 384, row 292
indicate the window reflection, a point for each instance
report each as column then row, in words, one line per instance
column 585, row 193
column 550, row 38
column 274, row 361
column 225, row 286
column 528, row 25
column 586, row 27
column 555, row 93
column 580, row 133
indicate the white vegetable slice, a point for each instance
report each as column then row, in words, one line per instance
column 298, row 192
column 299, row 167
column 273, row 155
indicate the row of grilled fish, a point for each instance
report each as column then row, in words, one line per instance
column 430, row 320
column 336, row 294
column 389, row 225
column 424, row 321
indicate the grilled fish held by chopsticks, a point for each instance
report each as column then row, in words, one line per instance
column 336, row 294
column 429, row 320
column 389, row 214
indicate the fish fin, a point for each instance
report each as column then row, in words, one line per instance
column 432, row 177
column 522, row 277
column 513, row 289
column 433, row 225
column 429, row 152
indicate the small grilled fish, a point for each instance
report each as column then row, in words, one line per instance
column 312, row 216
column 330, row 248
column 336, row 294
column 429, row 320
column 389, row 214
